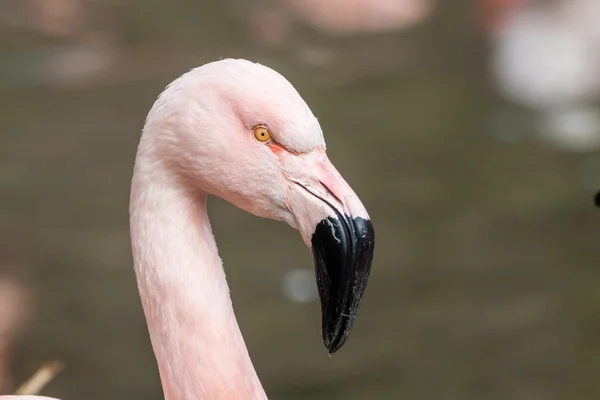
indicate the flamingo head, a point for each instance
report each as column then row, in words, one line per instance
column 241, row 131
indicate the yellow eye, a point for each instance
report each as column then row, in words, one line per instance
column 262, row 133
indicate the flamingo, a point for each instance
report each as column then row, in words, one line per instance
column 15, row 307
column 238, row 130
column 344, row 17
column 13, row 316
column 545, row 57
column 273, row 24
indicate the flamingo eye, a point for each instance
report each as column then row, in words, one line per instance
column 262, row 133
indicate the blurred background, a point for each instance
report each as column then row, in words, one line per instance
column 470, row 130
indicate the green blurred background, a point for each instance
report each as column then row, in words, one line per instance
column 485, row 282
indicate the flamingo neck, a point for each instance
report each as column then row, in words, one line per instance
column 197, row 342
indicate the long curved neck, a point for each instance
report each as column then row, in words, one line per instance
column 197, row 342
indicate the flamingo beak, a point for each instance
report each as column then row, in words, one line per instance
column 335, row 225
column 342, row 251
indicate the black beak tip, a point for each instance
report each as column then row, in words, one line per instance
column 343, row 251
column 597, row 199
column 334, row 343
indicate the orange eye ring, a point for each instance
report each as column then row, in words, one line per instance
column 262, row 133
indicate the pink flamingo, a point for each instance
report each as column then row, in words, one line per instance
column 273, row 24
column 240, row 131
column 545, row 58
column 15, row 307
column 343, row 17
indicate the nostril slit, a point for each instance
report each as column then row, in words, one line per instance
column 332, row 194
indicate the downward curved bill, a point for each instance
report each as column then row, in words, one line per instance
column 342, row 250
column 335, row 224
